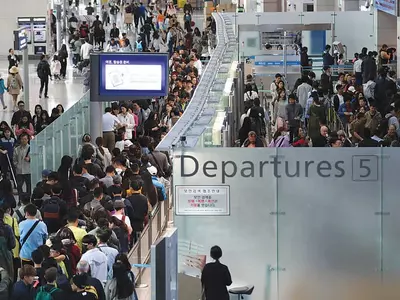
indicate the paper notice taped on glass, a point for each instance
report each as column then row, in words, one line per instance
column 133, row 77
column 191, row 258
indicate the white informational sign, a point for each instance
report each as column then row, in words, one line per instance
column 39, row 36
column 202, row 200
column 134, row 77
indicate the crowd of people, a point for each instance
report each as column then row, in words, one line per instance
column 79, row 223
column 359, row 108
column 69, row 235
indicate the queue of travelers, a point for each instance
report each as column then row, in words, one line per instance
column 359, row 108
column 69, row 235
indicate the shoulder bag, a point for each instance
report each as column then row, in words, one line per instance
column 29, row 232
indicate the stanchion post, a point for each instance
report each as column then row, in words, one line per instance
column 25, row 64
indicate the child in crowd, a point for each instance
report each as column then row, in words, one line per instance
column 56, row 67
column 2, row 90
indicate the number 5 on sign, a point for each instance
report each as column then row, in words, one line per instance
column 365, row 167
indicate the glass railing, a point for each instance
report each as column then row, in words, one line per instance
column 62, row 137
column 140, row 253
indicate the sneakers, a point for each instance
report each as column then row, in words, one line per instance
column 4, row 107
column 46, row 96
column 40, row 96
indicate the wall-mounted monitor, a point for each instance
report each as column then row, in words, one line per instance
column 128, row 76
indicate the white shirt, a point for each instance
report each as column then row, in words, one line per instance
column 129, row 121
column 341, row 100
column 85, row 50
column 97, row 261
column 109, row 122
column 198, row 66
column 250, row 96
column 357, row 66
column 127, row 221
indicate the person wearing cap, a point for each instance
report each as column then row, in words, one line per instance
column 84, row 268
column 159, row 186
column 96, row 259
column 14, row 84
column 119, row 206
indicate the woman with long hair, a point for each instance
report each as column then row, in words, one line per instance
column 43, row 121
column 149, row 190
column 3, row 126
column 102, row 153
column 122, row 232
column 64, row 171
column 280, row 139
column 69, row 194
column 6, row 193
column 120, row 287
column 36, row 117
column 123, row 259
column 60, row 109
column 24, row 126
column 63, row 55
column 151, row 126
column 68, row 241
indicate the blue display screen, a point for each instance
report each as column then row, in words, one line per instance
column 132, row 74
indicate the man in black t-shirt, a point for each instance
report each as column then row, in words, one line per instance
column 89, row 9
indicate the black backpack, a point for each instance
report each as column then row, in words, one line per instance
column 51, row 210
column 258, row 126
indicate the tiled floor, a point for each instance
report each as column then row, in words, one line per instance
column 66, row 92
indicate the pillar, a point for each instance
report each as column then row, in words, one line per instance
column 351, row 5
column 324, row 5
column 398, row 44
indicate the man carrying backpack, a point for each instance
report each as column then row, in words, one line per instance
column 54, row 210
column 43, row 72
column 19, row 213
column 50, row 291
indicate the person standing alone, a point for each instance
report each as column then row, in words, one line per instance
column 43, row 72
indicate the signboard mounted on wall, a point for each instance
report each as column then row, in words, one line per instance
column 201, row 200
column 388, row 6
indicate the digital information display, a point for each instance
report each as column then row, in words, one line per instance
column 129, row 75
column 20, row 39
column 388, row 6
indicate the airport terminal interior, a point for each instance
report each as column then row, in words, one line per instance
column 125, row 172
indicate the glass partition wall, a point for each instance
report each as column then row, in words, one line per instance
column 302, row 223
column 62, row 137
